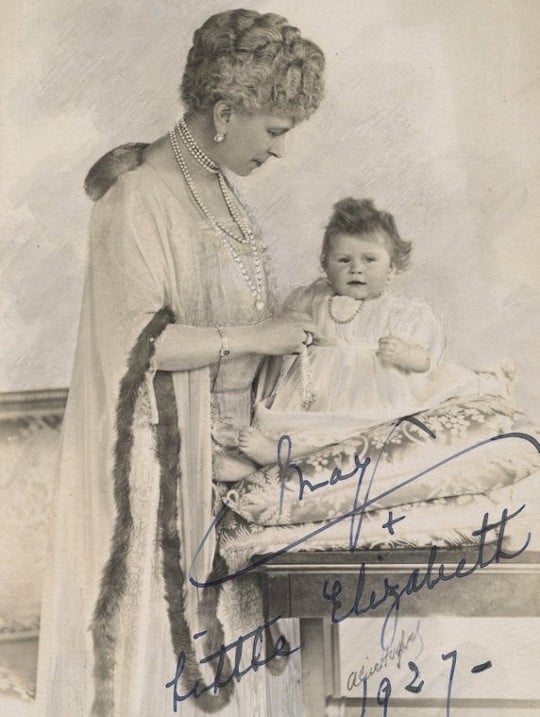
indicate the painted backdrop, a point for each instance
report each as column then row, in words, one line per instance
column 432, row 109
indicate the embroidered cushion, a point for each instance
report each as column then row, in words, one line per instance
column 461, row 447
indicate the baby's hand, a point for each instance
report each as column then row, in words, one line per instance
column 396, row 352
column 393, row 351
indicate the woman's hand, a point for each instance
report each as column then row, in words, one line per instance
column 283, row 334
column 395, row 352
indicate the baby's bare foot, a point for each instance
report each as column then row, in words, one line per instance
column 257, row 446
column 229, row 467
column 226, row 434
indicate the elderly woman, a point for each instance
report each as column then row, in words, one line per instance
column 177, row 312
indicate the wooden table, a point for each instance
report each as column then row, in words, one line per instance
column 292, row 587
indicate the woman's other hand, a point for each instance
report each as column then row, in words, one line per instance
column 283, row 334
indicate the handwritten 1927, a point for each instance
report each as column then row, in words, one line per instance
column 391, row 594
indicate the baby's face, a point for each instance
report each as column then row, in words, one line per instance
column 358, row 265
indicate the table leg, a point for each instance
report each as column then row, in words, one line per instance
column 312, row 660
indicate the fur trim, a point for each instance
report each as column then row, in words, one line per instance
column 174, row 578
column 113, row 584
column 112, row 165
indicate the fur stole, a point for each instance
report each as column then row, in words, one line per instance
column 112, row 165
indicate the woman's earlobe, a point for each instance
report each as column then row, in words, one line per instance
column 222, row 114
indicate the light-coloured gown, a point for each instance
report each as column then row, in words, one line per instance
column 353, row 388
column 151, row 252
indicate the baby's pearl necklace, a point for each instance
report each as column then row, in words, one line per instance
column 344, row 321
column 255, row 284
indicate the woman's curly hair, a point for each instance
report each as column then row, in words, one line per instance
column 359, row 217
column 256, row 62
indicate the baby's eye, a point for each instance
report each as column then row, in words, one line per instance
column 370, row 259
column 343, row 260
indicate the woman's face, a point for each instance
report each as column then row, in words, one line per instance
column 358, row 265
column 252, row 139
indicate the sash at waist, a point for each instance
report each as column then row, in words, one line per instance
column 347, row 345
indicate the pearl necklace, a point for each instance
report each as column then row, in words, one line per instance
column 182, row 130
column 344, row 321
column 255, row 284
column 196, row 152
column 200, row 156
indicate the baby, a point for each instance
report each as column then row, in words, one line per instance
column 376, row 355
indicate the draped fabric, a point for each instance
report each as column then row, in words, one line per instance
column 134, row 494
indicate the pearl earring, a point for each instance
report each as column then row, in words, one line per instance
column 219, row 137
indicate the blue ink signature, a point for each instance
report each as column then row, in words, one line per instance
column 356, row 514
column 280, row 648
column 392, row 593
column 416, row 683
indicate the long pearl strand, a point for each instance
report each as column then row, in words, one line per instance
column 255, row 284
column 306, row 378
column 200, row 156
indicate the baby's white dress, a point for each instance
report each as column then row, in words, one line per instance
column 353, row 388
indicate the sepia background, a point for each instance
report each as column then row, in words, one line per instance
column 432, row 109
